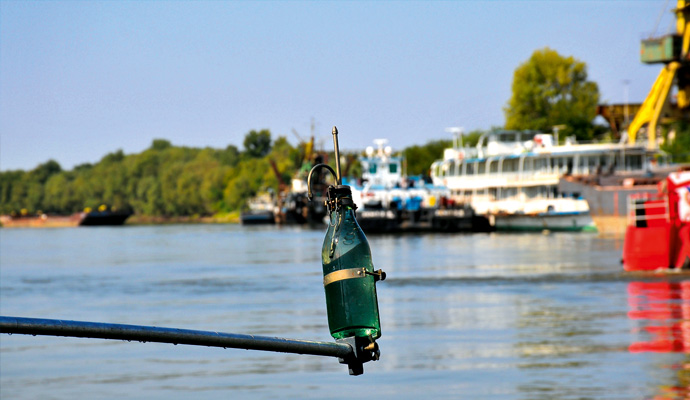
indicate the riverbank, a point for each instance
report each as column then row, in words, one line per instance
column 223, row 218
column 74, row 220
column 611, row 226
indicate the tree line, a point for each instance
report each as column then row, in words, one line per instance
column 163, row 180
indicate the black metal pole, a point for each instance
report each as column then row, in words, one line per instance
column 97, row 330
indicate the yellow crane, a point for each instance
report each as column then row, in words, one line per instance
column 671, row 50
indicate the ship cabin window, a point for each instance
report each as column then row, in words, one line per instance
column 528, row 164
column 372, row 168
column 603, row 160
column 493, row 168
column 634, row 162
column 508, row 192
column 581, row 164
column 393, row 168
column 611, row 163
column 470, row 169
column 586, row 163
column 451, row 168
column 493, row 193
column 481, row 167
column 510, row 165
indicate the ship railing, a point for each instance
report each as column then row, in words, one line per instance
column 648, row 209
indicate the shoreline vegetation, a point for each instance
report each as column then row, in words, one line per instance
column 221, row 218
column 167, row 184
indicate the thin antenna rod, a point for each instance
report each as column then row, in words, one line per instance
column 338, row 179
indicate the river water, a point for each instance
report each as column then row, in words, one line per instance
column 469, row 316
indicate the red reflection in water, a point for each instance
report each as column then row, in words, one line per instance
column 664, row 310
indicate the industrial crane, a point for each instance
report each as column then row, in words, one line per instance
column 671, row 50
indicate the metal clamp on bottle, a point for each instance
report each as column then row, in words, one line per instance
column 378, row 275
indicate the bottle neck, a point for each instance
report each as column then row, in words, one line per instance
column 340, row 198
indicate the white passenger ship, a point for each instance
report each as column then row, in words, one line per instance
column 512, row 177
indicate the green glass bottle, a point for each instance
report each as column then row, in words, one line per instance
column 349, row 276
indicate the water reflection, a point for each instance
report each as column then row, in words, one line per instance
column 662, row 311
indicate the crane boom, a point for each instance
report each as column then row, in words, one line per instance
column 671, row 50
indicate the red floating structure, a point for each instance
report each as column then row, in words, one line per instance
column 658, row 232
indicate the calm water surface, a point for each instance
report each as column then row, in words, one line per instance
column 495, row 316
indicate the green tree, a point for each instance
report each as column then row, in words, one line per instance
column 678, row 144
column 148, row 199
column 160, row 144
column 163, row 180
column 43, row 171
column 419, row 158
column 113, row 157
column 230, row 156
column 58, row 193
column 257, row 144
column 549, row 90
column 246, row 181
column 12, row 191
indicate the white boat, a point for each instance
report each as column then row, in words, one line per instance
column 261, row 210
column 389, row 200
column 512, row 177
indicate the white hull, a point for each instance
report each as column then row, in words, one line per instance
column 575, row 221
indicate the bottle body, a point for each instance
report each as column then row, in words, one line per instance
column 349, row 282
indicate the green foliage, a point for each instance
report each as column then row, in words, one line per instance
column 549, row 90
column 12, row 191
column 230, row 156
column 678, row 144
column 163, row 180
column 257, row 144
column 113, row 157
column 419, row 158
column 160, row 144
column 471, row 139
column 44, row 171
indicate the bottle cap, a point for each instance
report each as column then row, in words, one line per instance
column 340, row 190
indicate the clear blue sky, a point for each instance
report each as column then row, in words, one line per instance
column 80, row 79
